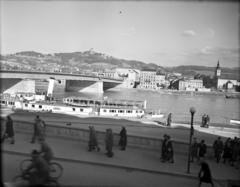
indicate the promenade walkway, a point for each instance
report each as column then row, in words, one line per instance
column 131, row 159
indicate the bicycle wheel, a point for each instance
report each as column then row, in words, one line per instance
column 56, row 170
column 52, row 183
column 25, row 164
column 19, row 181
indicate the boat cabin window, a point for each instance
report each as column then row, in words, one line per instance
column 112, row 111
column 76, row 101
column 129, row 111
column 105, row 110
column 3, row 102
column 81, row 109
column 120, row 111
column 33, row 106
column 73, row 109
column 26, row 105
column 39, row 106
column 98, row 103
column 91, row 102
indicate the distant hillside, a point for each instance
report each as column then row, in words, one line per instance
column 94, row 60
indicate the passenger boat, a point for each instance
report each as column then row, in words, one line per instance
column 77, row 106
column 234, row 122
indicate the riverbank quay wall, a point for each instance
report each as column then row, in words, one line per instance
column 81, row 134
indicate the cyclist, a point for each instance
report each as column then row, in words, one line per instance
column 46, row 151
column 39, row 175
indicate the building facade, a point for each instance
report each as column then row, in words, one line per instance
column 147, row 79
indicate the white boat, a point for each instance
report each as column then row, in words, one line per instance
column 234, row 122
column 79, row 106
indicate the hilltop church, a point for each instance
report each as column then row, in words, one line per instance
column 224, row 81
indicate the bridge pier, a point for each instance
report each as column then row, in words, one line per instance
column 84, row 86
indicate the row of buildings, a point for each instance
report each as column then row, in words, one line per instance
column 155, row 80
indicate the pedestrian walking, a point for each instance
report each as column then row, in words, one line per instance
column 123, row 139
column 164, row 146
column 110, row 142
column 235, row 150
column 9, row 130
column 203, row 120
column 169, row 120
column 38, row 130
column 169, row 150
column 218, row 148
column 207, row 177
column 106, row 140
column 202, row 150
column 93, row 142
column 227, row 151
column 194, row 149
column 207, row 121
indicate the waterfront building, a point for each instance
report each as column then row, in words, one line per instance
column 224, row 81
column 109, row 74
column 147, row 79
column 160, row 80
column 130, row 74
column 188, row 84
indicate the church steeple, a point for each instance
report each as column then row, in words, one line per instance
column 218, row 70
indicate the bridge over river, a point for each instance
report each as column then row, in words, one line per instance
column 24, row 81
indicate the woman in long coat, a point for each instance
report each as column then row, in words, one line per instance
column 207, row 177
column 110, row 142
column 123, row 139
column 9, row 130
column 169, row 150
column 93, row 142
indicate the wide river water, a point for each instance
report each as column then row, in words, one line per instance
column 220, row 109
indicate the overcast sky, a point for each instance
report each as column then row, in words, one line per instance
column 165, row 33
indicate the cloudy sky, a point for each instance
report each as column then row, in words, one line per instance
column 165, row 33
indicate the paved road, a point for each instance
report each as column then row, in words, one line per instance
column 80, row 174
column 142, row 127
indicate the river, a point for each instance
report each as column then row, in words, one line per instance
column 220, row 109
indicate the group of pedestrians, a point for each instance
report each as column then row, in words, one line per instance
column 109, row 140
column 205, row 121
column 229, row 151
column 167, row 149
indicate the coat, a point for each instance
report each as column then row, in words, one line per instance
column 92, row 138
column 169, row 147
column 194, row 148
column 110, row 141
column 202, row 150
column 123, row 135
column 9, row 128
column 218, row 148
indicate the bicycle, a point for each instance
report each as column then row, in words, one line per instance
column 23, row 180
column 55, row 169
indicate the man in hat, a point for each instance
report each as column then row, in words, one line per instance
column 164, row 146
column 169, row 120
column 202, row 150
column 40, row 167
column 194, row 149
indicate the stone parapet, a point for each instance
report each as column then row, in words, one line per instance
column 81, row 134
